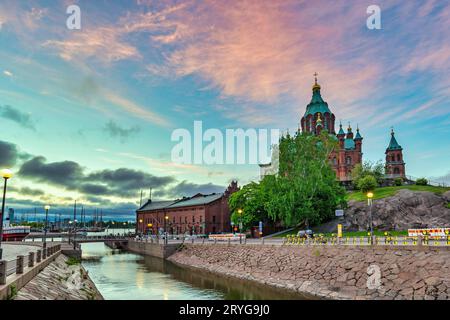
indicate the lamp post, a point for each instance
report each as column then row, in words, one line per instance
column 47, row 207
column 240, row 225
column 74, row 234
column 165, row 232
column 6, row 174
column 369, row 203
column 140, row 223
column 149, row 227
column 70, row 227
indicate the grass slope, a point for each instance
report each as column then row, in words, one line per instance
column 385, row 192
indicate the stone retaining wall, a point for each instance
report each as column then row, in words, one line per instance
column 59, row 281
column 151, row 249
column 336, row 272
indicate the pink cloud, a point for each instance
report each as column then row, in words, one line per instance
column 104, row 43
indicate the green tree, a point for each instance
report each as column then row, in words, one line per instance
column 368, row 183
column 306, row 189
column 249, row 200
column 398, row 181
column 368, row 168
column 422, row 181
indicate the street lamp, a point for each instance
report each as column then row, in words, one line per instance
column 165, row 232
column 240, row 225
column 149, row 226
column 369, row 203
column 47, row 207
column 6, row 174
column 74, row 233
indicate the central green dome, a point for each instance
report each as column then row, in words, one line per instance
column 317, row 104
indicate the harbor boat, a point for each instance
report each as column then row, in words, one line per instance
column 14, row 233
column 17, row 233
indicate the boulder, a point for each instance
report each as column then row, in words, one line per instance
column 405, row 210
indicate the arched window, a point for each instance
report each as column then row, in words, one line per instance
column 396, row 171
column 348, row 160
column 393, row 157
column 334, row 161
column 398, row 157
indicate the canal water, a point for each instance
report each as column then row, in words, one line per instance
column 121, row 275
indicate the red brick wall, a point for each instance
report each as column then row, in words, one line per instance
column 194, row 216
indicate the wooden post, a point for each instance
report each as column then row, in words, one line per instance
column 38, row 256
column 31, row 259
column 19, row 265
column 44, row 253
column 2, row 272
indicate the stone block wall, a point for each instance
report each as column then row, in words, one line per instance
column 335, row 272
column 151, row 249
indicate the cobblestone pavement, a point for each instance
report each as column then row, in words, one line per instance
column 59, row 281
column 11, row 251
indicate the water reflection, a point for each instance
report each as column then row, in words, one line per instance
column 125, row 276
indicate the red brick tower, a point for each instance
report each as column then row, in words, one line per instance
column 395, row 166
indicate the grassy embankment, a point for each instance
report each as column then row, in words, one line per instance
column 385, row 192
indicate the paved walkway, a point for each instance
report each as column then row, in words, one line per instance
column 11, row 251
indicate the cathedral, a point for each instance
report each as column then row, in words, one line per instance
column 318, row 117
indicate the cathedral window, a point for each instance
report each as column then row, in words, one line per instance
column 334, row 161
column 398, row 157
column 348, row 160
column 393, row 158
column 396, row 171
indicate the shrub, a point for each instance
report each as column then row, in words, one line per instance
column 12, row 292
column 398, row 181
column 368, row 183
column 73, row 261
column 422, row 182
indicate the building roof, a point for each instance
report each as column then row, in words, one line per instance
column 155, row 205
column 349, row 144
column 317, row 104
column 358, row 135
column 393, row 144
column 198, row 199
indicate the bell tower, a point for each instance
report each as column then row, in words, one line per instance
column 395, row 166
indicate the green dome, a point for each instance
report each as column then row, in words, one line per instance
column 317, row 104
column 349, row 144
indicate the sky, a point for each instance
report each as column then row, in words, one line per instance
column 88, row 114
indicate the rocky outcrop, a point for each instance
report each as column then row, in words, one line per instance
column 407, row 209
